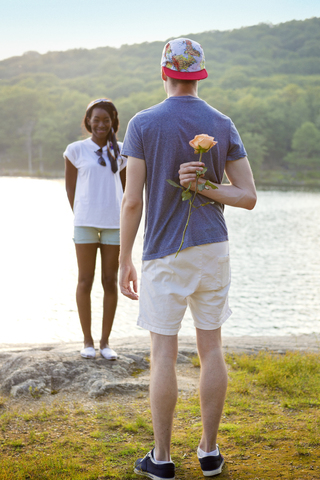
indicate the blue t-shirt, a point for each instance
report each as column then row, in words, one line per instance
column 160, row 136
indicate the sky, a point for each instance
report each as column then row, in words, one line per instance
column 59, row 25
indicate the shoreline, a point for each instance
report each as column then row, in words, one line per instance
column 238, row 344
column 260, row 184
column 47, row 370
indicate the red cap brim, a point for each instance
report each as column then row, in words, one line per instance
column 200, row 75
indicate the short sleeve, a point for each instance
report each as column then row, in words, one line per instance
column 132, row 145
column 71, row 154
column 236, row 148
column 123, row 160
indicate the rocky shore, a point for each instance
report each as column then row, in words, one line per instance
column 40, row 370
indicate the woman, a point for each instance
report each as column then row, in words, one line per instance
column 95, row 180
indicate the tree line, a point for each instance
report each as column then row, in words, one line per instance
column 266, row 78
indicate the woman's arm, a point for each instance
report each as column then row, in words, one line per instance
column 123, row 176
column 70, row 180
column 240, row 193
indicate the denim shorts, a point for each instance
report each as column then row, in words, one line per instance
column 199, row 277
column 105, row 236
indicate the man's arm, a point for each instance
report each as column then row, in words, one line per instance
column 240, row 193
column 131, row 211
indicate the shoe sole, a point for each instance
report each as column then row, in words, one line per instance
column 150, row 475
column 210, row 473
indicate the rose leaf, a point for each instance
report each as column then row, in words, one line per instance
column 185, row 195
column 209, row 184
column 174, row 184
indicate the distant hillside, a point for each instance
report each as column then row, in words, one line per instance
column 288, row 48
column 265, row 77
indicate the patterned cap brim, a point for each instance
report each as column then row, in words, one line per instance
column 200, row 75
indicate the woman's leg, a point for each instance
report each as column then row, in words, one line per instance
column 86, row 257
column 109, row 274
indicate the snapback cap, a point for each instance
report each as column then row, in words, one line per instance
column 183, row 59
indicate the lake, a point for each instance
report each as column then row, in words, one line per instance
column 274, row 252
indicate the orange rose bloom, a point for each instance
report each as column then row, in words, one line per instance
column 202, row 143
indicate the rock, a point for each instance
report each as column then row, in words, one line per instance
column 99, row 388
column 50, row 370
column 43, row 369
column 29, row 387
column 182, row 359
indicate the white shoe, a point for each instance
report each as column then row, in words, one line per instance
column 108, row 353
column 88, row 352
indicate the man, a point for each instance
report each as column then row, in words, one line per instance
column 157, row 147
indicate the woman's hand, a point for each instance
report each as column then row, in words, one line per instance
column 188, row 174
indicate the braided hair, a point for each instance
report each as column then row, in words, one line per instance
column 109, row 107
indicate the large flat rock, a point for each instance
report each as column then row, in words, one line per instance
column 47, row 369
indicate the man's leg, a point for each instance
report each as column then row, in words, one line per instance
column 163, row 391
column 213, row 385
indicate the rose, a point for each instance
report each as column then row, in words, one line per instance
column 202, row 143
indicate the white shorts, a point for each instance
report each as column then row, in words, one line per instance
column 198, row 277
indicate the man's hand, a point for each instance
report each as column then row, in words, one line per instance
column 188, row 173
column 241, row 191
column 128, row 274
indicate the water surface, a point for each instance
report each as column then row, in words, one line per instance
column 274, row 258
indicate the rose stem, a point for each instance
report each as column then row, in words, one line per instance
column 190, row 207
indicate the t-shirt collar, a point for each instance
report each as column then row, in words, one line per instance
column 96, row 147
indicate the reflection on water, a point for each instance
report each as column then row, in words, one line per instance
column 274, row 256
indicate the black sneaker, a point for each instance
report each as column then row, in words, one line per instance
column 146, row 467
column 212, row 465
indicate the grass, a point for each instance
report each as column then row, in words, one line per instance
column 270, row 428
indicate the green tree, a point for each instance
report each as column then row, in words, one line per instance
column 256, row 149
column 19, row 111
column 266, row 78
column 305, row 146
